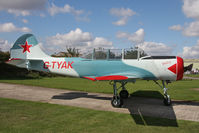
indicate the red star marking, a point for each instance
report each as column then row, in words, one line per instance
column 26, row 47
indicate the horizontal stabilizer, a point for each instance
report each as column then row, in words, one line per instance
column 26, row 63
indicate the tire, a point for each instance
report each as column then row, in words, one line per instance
column 167, row 101
column 116, row 102
column 124, row 94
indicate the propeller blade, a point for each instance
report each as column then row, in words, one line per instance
column 188, row 68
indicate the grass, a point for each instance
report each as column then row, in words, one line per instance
column 30, row 117
column 192, row 75
column 180, row 90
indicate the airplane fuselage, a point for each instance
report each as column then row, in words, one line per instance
column 146, row 68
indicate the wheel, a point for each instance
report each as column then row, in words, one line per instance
column 116, row 102
column 124, row 94
column 167, row 101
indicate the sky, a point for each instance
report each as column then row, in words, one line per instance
column 160, row 27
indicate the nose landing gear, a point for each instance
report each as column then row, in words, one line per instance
column 167, row 100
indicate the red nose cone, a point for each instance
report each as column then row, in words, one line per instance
column 180, row 68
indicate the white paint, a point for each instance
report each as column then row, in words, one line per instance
column 159, row 67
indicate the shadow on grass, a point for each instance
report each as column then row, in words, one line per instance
column 150, row 94
column 74, row 95
column 139, row 107
column 152, row 121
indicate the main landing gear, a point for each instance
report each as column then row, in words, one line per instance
column 167, row 100
column 117, row 100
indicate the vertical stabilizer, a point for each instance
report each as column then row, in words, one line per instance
column 26, row 47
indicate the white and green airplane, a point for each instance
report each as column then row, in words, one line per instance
column 125, row 67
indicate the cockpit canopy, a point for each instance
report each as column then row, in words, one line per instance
column 114, row 54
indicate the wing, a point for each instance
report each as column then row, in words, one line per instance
column 115, row 76
column 109, row 77
column 124, row 76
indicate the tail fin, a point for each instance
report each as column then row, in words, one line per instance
column 26, row 47
column 26, row 52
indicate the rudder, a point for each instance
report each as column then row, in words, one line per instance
column 26, row 47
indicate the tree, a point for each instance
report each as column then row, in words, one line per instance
column 100, row 55
column 131, row 54
column 73, row 52
column 70, row 52
column 4, row 56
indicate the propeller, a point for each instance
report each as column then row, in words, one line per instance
column 188, row 68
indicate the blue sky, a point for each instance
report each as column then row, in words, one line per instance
column 159, row 27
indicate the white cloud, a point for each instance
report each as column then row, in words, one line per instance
column 22, row 7
column 4, row 45
column 10, row 27
column 42, row 15
column 23, row 4
column 19, row 12
column 192, row 29
column 123, row 15
column 122, row 12
column 151, row 48
column 24, row 21
column 191, row 52
column 190, row 8
column 80, row 15
column 53, row 10
column 176, row 27
column 78, row 39
column 99, row 42
column 136, row 37
column 121, row 21
column 154, row 48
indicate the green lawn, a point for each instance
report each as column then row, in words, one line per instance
column 180, row 90
column 33, row 117
column 192, row 75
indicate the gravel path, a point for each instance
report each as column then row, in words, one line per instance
column 194, row 78
column 133, row 105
